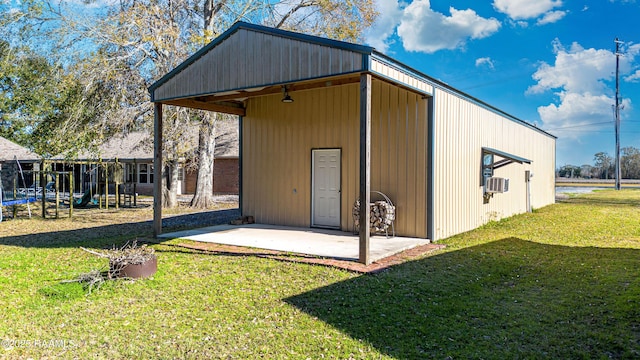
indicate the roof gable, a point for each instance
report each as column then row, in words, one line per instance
column 249, row 56
column 10, row 151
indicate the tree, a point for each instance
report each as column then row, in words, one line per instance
column 42, row 105
column 569, row 171
column 630, row 163
column 586, row 171
column 603, row 162
column 127, row 45
column 337, row 19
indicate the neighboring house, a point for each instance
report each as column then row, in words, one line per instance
column 135, row 152
column 9, row 153
column 325, row 122
column 226, row 169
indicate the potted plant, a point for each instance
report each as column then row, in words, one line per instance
column 129, row 261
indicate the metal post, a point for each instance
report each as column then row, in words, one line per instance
column 116, row 193
column 44, row 197
column 527, row 179
column 106, row 186
column 157, row 169
column 71, row 194
column 98, row 186
column 618, row 170
column 365, row 166
column 57, row 185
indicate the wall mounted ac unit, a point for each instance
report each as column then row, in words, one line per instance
column 496, row 185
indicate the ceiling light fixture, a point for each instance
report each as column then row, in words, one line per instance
column 286, row 99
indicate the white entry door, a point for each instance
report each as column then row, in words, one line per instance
column 325, row 207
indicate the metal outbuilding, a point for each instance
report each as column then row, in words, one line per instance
column 324, row 123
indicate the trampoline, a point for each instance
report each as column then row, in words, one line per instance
column 13, row 200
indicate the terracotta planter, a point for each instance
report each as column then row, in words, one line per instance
column 137, row 271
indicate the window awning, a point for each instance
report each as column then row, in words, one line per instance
column 506, row 158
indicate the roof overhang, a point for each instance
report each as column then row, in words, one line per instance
column 506, row 158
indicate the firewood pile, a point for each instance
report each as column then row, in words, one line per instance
column 381, row 216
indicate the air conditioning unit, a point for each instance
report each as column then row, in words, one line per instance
column 496, row 185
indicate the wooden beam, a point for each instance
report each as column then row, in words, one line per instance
column 157, row 169
column 365, row 166
column 226, row 108
column 242, row 94
column 277, row 89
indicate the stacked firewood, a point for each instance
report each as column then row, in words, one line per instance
column 381, row 216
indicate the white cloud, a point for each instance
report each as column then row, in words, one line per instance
column 575, row 69
column 486, row 61
column 551, row 17
column 525, row 9
column 632, row 50
column 390, row 15
column 520, row 23
column 422, row 29
column 635, row 77
column 578, row 78
column 576, row 109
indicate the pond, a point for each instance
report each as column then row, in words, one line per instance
column 578, row 189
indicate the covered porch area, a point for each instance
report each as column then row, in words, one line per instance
column 299, row 96
column 325, row 243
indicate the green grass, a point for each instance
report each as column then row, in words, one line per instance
column 562, row 282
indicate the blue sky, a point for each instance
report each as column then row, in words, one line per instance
column 548, row 62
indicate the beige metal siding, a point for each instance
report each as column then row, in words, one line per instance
column 462, row 128
column 249, row 59
column 398, row 154
column 277, row 144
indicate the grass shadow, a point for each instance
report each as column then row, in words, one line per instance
column 505, row 299
column 108, row 234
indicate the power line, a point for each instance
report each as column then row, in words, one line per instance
column 579, row 125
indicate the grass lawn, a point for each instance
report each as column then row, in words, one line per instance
column 560, row 283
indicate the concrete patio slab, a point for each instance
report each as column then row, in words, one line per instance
column 309, row 241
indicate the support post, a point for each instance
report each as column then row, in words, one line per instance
column 57, row 185
column 106, row 186
column 240, row 163
column 98, row 186
column 71, row 194
column 116, row 192
column 365, row 166
column 527, row 179
column 135, row 183
column 14, row 208
column 430, row 220
column 43, row 194
column 157, row 169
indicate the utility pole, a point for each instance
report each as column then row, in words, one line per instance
column 617, row 110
